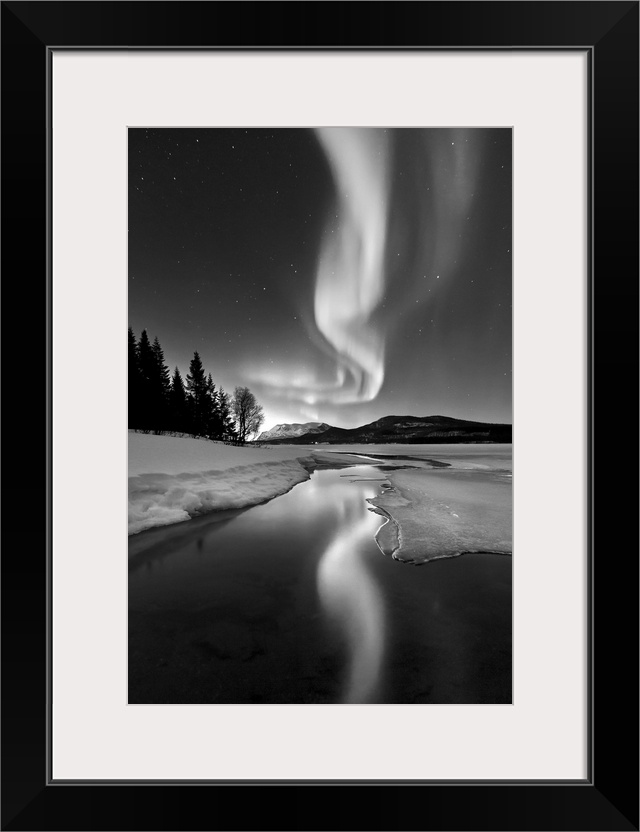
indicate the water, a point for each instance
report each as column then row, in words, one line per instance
column 293, row 602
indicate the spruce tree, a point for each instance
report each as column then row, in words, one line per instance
column 160, row 386
column 162, row 371
column 147, row 365
column 214, row 428
column 197, row 387
column 134, row 382
column 228, row 428
column 178, row 415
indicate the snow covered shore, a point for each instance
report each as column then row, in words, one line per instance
column 432, row 512
column 174, row 478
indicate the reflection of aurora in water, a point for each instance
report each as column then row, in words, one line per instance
column 293, row 602
column 352, row 599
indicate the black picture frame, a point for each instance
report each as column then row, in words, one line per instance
column 608, row 798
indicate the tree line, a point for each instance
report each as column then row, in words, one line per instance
column 160, row 402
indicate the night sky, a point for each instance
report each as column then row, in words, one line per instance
column 341, row 274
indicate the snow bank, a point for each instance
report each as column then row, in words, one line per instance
column 174, row 478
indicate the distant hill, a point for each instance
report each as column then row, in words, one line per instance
column 408, row 429
column 290, row 431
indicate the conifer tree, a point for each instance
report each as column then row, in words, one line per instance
column 134, row 382
column 214, row 429
column 160, row 388
column 228, row 428
column 163, row 377
column 159, row 401
column 178, row 414
column 147, row 365
column 197, row 387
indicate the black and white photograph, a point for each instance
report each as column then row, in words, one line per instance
column 320, row 415
column 353, row 252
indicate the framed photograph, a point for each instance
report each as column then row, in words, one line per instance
column 357, row 262
column 370, row 276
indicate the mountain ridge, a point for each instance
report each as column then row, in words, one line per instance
column 400, row 429
column 285, row 430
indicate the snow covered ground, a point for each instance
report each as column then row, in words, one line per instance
column 174, row 478
column 435, row 512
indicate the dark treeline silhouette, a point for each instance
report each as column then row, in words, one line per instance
column 160, row 402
